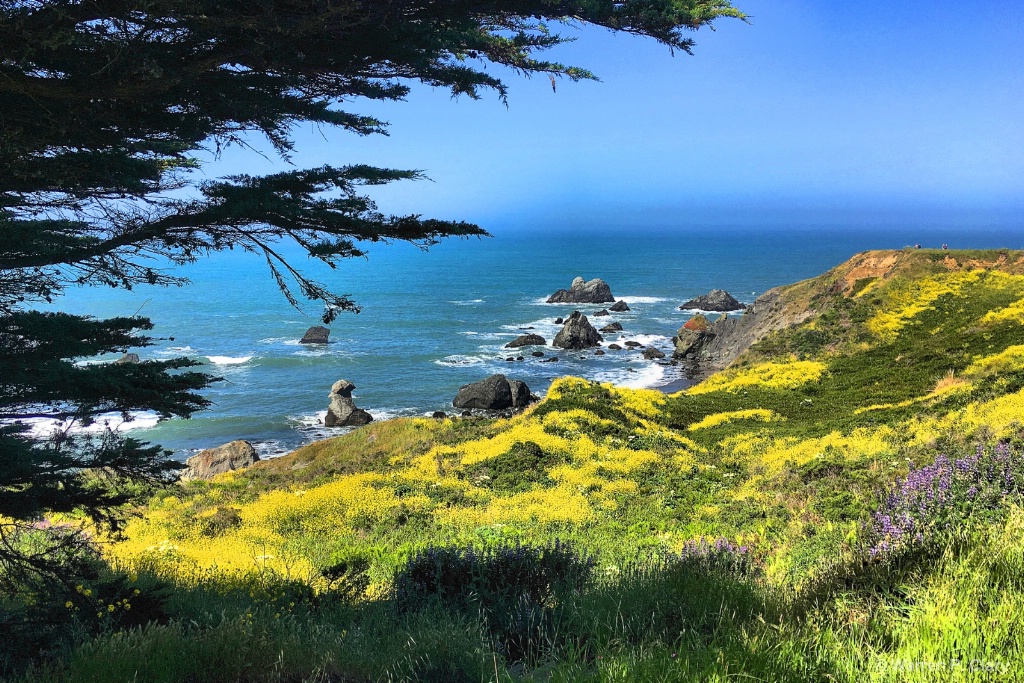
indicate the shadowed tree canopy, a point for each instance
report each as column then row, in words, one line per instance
column 103, row 107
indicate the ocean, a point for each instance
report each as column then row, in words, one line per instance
column 435, row 320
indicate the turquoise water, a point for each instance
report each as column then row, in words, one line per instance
column 433, row 321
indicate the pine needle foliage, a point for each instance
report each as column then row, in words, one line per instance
column 105, row 109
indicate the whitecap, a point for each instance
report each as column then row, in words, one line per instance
column 467, row 302
column 229, row 360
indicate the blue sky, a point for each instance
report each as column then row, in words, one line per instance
column 816, row 112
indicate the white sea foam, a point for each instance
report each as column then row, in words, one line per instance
column 645, row 377
column 460, row 359
column 646, row 339
column 175, row 351
column 468, row 302
column 643, row 299
column 492, row 336
column 41, row 428
column 313, row 429
column 229, row 360
column 710, row 314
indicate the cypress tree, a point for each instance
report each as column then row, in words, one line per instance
column 104, row 105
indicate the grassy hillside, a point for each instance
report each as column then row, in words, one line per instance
column 839, row 504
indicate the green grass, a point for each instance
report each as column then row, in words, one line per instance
column 808, row 603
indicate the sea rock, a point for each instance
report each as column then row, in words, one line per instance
column 559, row 321
column 439, row 415
column 496, row 392
column 715, row 300
column 128, row 359
column 213, row 461
column 315, row 335
column 595, row 291
column 614, row 347
column 601, row 313
column 537, row 354
column 652, row 353
column 634, row 344
column 618, row 307
column 342, row 411
column 612, row 327
column 553, row 359
column 577, row 333
column 599, row 352
column 526, row 340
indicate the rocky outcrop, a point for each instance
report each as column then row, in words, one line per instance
column 595, row 291
column 722, row 341
column 619, row 307
column 612, row 327
column 526, row 340
column 315, row 335
column 717, row 300
column 342, row 412
column 614, row 347
column 577, row 333
column 652, row 353
column 497, row 392
column 213, row 461
column 691, row 337
column 128, row 359
column 602, row 312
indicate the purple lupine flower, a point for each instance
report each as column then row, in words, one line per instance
column 931, row 497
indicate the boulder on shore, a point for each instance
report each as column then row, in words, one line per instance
column 342, row 411
column 595, row 291
column 619, row 307
column 497, row 392
column 213, row 461
column 315, row 335
column 716, row 300
column 577, row 333
column 526, row 340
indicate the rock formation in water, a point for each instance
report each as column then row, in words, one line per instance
column 577, row 333
column 526, row 340
column 717, row 300
column 315, row 335
column 342, row 411
column 595, row 291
